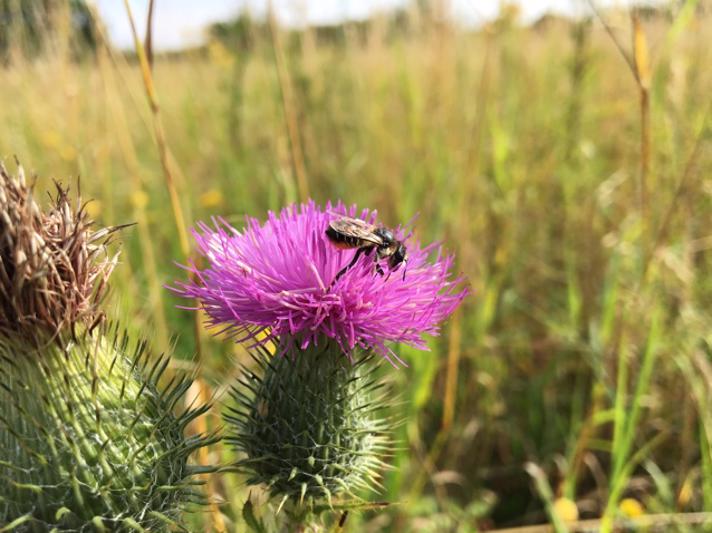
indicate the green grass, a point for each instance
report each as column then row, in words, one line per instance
column 586, row 346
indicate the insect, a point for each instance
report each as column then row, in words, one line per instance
column 347, row 232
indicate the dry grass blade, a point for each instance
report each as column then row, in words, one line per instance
column 160, row 137
column 639, row 65
column 200, row 425
column 149, row 34
column 453, row 360
column 290, row 115
column 642, row 76
column 640, row 52
column 614, row 38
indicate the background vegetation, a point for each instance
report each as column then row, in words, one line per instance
column 571, row 178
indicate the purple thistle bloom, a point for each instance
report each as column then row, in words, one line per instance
column 274, row 282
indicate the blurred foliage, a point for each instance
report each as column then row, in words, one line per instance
column 585, row 351
column 28, row 26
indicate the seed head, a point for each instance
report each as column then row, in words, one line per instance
column 53, row 265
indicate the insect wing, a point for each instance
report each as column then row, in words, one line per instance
column 357, row 229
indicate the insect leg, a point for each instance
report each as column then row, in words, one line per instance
column 352, row 263
column 380, row 254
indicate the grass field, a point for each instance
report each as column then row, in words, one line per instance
column 574, row 185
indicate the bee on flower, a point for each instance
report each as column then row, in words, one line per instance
column 286, row 281
column 316, row 284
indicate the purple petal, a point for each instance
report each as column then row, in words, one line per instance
column 278, row 277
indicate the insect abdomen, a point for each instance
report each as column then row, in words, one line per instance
column 341, row 240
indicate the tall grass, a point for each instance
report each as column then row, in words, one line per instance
column 584, row 231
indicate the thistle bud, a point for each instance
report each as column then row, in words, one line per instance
column 88, row 437
column 308, row 419
column 310, row 425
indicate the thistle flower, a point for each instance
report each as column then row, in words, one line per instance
column 275, row 282
column 309, row 421
column 88, row 437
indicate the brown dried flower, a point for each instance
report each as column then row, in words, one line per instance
column 53, row 265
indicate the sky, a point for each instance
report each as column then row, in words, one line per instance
column 179, row 23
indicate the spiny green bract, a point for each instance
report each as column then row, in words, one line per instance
column 309, row 424
column 88, row 438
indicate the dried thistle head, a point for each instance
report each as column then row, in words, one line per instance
column 53, row 265
column 89, row 440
